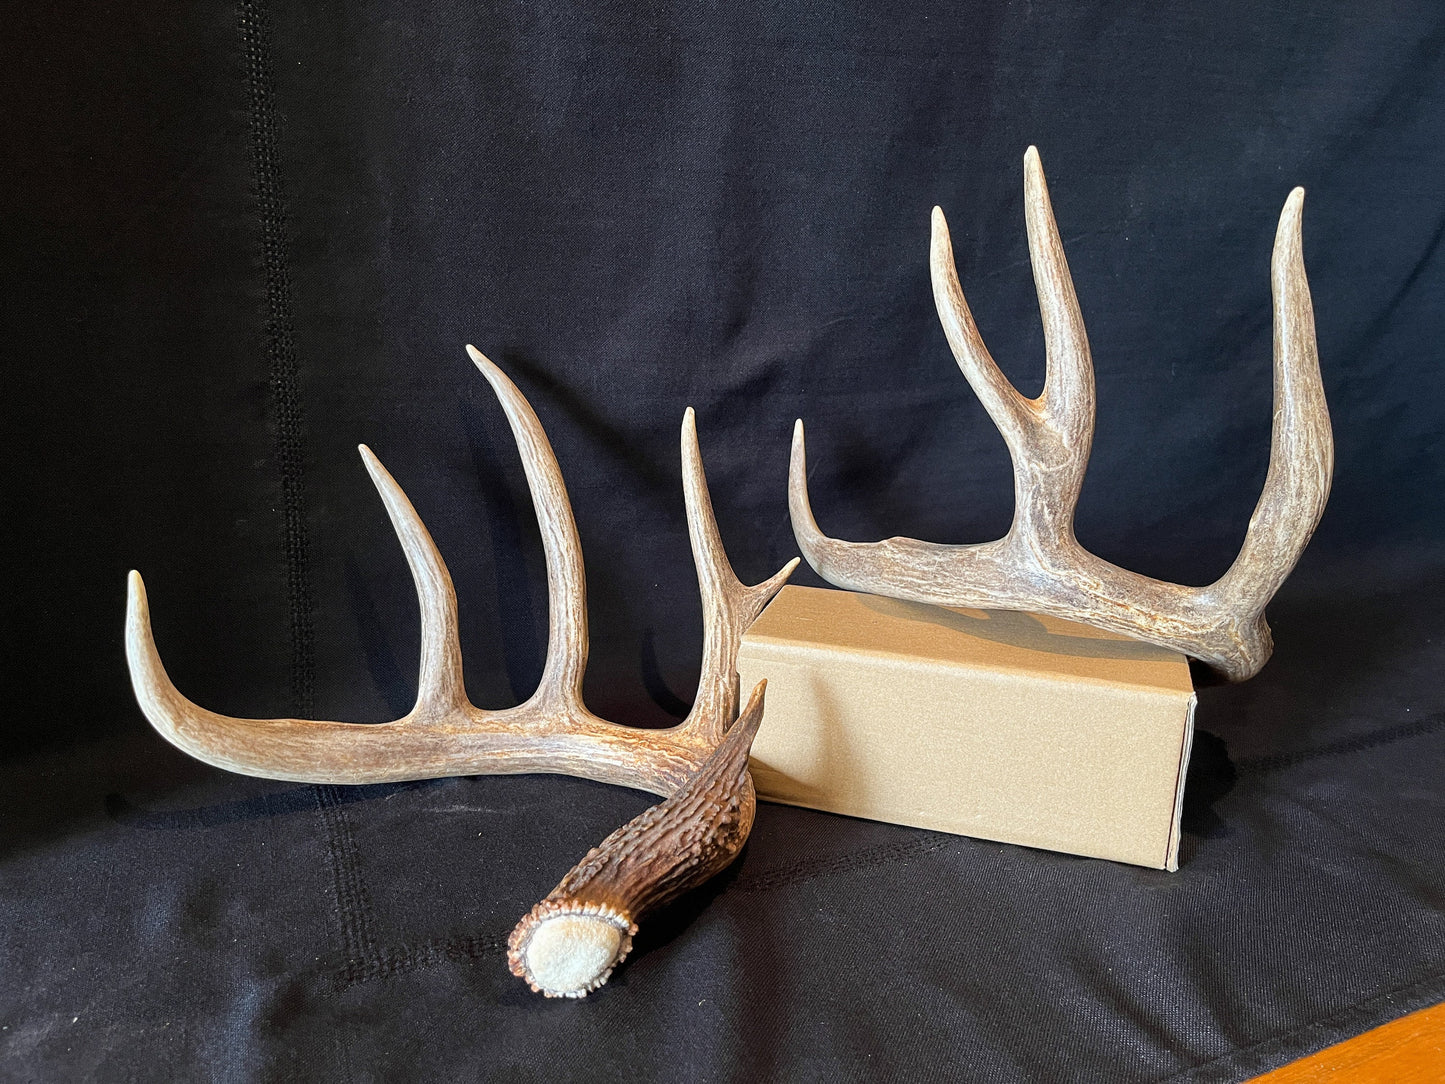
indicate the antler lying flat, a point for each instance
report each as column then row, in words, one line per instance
column 444, row 734
column 1039, row 565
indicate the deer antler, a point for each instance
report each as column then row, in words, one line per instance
column 1039, row 565
column 569, row 944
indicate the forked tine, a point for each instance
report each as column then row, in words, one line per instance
column 1039, row 565
column 729, row 606
column 1054, row 432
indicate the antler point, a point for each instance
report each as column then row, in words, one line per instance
column 798, row 435
column 484, row 364
column 691, row 453
column 370, row 461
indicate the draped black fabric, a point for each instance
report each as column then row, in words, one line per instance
column 240, row 239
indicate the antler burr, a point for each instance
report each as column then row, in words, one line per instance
column 1039, row 565
column 568, row 944
column 696, row 764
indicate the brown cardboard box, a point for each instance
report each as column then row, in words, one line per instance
column 1006, row 726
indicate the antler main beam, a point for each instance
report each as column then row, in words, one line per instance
column 444, row 734
column 1039, row 565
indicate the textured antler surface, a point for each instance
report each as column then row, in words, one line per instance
column 444, row 734
column 1039, row 565
column 568, row 944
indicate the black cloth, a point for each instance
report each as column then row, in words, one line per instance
column 238, row 241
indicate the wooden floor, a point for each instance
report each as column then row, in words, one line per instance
column 1410, row 1050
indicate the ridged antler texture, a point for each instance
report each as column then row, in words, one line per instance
column 444, row 734
column 1039, row 565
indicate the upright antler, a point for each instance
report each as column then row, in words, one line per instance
column 1039, row 565
column 584, row 928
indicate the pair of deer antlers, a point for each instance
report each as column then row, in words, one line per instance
column 568, row 944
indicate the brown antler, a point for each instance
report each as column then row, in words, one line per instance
column 552, row 731
column 1039, row 565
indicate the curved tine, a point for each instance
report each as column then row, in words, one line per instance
column 1068, row 395
column 1002, row 401
column 1302, row 452
column 295, row 749
column 561, row 686
column 728, row 605
column 817, row 547
column 184, row 724
column 440, row 687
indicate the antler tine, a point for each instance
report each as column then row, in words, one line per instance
column 1302, row 450
column 902, row 567
column 561, row 685
column 1008, row 409
column 216, row 739
column 441, row 689
column 729, row 606
column 811, row 540
column 1068, row 396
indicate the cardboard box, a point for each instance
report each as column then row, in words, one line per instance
column 1006, row 726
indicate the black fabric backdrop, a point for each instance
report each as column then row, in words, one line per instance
column 238, row 241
